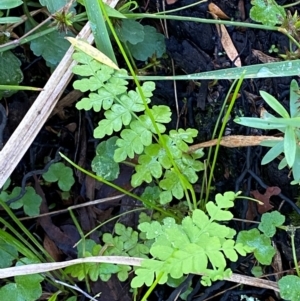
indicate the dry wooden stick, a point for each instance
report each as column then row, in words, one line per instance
column 37, row 115
column 133, row 261
column 235, row 141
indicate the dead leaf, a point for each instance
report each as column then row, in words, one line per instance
column 265, row 198
column 92, row 51
column 251, row 212
column 263, row 57
column 169, row 2
column 227, row 43
column 51, row 248
column 214, row 9
column 241, row 9
column 231, row 95
column 277, row 266
column 71, row 127
column 67, row 101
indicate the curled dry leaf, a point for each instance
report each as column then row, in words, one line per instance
column 92, row 51
column 227, row 42
column 265, row 198
column 169, row 2
column 51, row 248
column 263, row 57
column 216, row 10
column 241, row 9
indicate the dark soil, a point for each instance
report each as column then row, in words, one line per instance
column 194, row 47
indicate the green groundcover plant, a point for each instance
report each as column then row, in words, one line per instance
column 287, row 124
column 173, row 247
column 182, row 237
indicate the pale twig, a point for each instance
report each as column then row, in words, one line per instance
column 90, row 203
column 235, row 141
column 132, row 261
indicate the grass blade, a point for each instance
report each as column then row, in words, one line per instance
column 277, row 69
column 99, row 28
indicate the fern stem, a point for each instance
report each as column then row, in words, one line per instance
column 207, row 190
column 184, row 182
column 106, row 222
column 152, row 287
column 164, row 16
column 100, row 179
column 294, row 252
column 226, row 118
column 26, row 232
column 76, row 223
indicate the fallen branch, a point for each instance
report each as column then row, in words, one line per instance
column 132, row 261
column 37, row 115
column 235, row 141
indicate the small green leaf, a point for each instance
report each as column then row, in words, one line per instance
column 54, row 5
column 144, row 275
column 55, row 295
column 95, row 102
column 260, row 244
column 77, row 271
column 61, row 173
column 290, row 145
column 8, row 253
column 151, row 194
column 165, row 197
column 296, row 165
column 152, row 230
column 229, row 251
column 274, row 104
column 189, row 166
column 52, row 47
column 132, row 141
column 25, row 288
column 8, row 4
column 161, row 252
column 146, row 122
column 267, row 12
column 148, row 167
column 259, row 123
column 132, row 101
column 148, row 87
column 127, row 235
column 153, row 43
column 283, row 163
column 269, row 222
column 257, row 271
column 216, row 213
column 181, row 136
column 6, row 184
column 115, row 118
column 88, row 66
column 130, row 31
column 30, row 201
column 200, row 218
column 10, row 72
column 161, row 113
column 9, row 20
column 226, row 201
column 123, row 272
column 273, row 153
column 294, row 99
column 103, row 163
column 172, row 183
column 289, row 287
